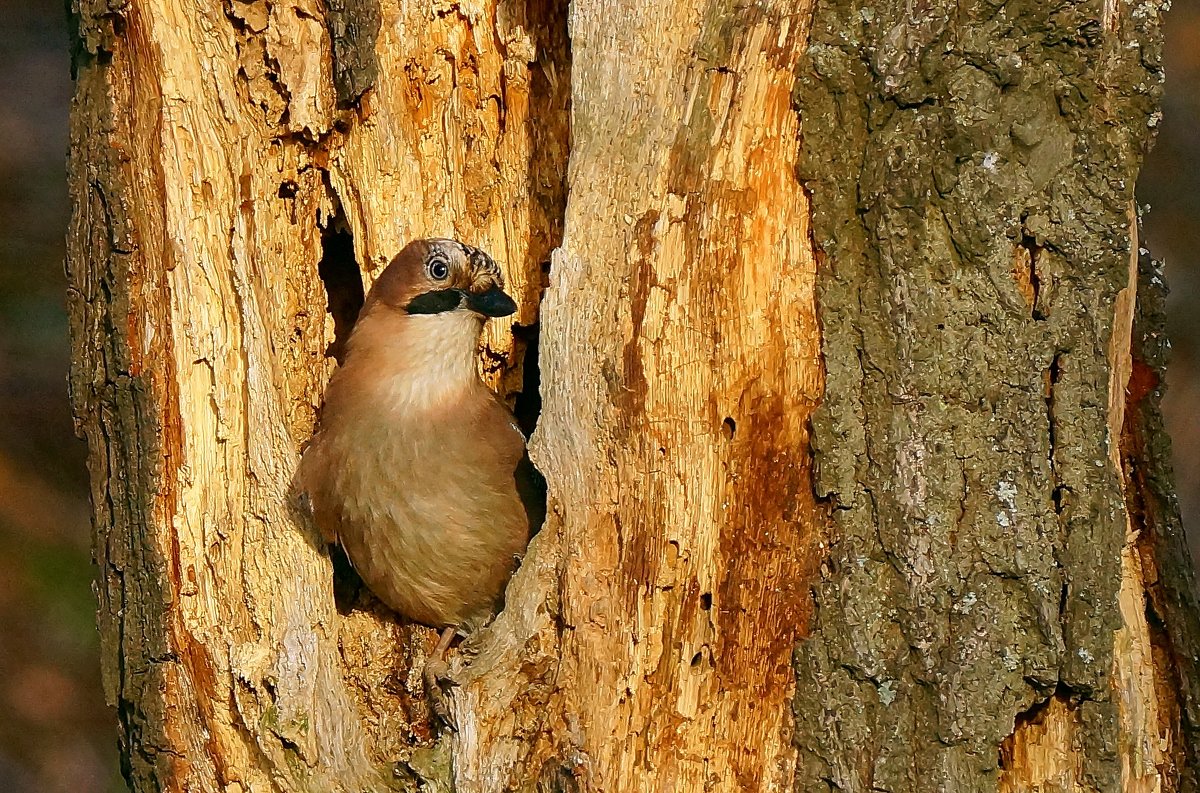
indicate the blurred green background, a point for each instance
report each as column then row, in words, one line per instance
column 56, row 733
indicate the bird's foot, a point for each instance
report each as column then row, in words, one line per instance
column 439, row 682
column 438, row 685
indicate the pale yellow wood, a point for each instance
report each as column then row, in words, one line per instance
column 237, row 154
column 680, row 364
column 1044, row 755
column 1145, row 745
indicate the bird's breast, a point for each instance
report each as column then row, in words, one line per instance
column 426, row 503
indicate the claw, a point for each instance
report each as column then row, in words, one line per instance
column 439, row 683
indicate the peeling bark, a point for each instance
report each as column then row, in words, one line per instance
column 215, row 149
column 845, row 387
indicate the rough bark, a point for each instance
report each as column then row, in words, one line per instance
column 982, row 515
column 972, row 170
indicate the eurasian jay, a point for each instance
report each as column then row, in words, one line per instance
column 414, row 465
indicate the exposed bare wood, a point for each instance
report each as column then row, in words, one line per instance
column 231, row 155
column 239, row 170
column 1146, row 736
column 1044, row 755
column 674, row 429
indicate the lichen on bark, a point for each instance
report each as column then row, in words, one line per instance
column 972, row 169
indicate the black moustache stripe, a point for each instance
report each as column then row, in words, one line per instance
column 435, row 302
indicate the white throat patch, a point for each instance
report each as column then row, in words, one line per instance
column 439, row 358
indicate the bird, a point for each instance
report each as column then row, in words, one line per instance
column 416, row 468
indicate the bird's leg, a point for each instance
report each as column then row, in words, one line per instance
column 438, row 681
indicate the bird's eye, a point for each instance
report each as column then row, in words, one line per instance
column 438, row 269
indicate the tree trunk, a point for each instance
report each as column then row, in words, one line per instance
column 964, row 570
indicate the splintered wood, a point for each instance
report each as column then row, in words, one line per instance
column 677, row 387
column 212, row 152
column 1145, row 738
column 1042, row 755
column 224, row 154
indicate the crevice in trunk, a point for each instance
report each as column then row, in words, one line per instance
column 550, row 96
column 528, row 405
column 1025, row 273
column 344, row 294
column 343, row 282
column 531, row 484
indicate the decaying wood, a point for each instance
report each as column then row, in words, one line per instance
column 211, row 158
column 677, row 388
column 998, row 602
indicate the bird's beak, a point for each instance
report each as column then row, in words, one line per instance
column 492, row 303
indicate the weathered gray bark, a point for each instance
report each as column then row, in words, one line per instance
column 973, row 170
column 1002, row 599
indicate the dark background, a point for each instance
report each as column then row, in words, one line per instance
column 56, row 734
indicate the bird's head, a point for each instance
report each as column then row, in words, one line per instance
column 435, row 276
